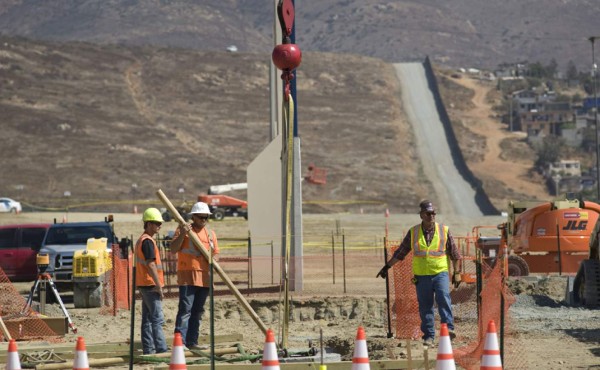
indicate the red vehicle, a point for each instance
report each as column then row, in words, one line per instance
column 221, row 206
column 224, row 205
column 19, row 245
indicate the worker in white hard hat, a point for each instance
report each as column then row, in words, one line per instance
column 193, row 273
column 150, row 281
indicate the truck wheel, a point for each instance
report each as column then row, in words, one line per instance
column 86, row 296
column 586, row 290
column 219, row 214
column 517, row 266
column 167, row 216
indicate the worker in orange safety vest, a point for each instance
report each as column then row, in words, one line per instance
column 193, row 273
column 150, row 281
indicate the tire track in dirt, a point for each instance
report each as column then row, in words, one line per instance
column 134, row 85
column 513, row 174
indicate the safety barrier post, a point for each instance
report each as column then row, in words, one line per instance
column 333, row 255
column 344, row 257
column 272, row 265
column 479, row 283
column 249, row 263
column 387, row 290
column 502, row 321
column 114, row 282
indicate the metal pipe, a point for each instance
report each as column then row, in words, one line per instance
column 387, row 289
column 594, row 70
column 344, row 258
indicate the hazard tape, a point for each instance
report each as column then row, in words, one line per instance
column 344, row 202
column 72, row 206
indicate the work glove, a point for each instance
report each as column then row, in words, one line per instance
column 456, row 279
column 383, row 272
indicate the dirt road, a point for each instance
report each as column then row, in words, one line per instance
column 514, row 174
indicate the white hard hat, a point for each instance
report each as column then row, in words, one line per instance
column 201, row 207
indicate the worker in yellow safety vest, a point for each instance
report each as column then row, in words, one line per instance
column 150, row 281
column 432, row 245
column 193, row 273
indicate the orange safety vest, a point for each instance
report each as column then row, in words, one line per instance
column 429, row 259
column 142, row 273
column 189, row 258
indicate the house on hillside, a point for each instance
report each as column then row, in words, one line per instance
column 565, row 176
column 565, row 168
column 538, row 125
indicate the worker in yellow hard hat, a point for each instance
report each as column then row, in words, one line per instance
column 150, row 281
column 193, row 273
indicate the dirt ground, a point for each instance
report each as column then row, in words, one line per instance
column 553, row 335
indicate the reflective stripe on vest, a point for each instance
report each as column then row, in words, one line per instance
column 189, row 255
column 429, row 259
column 142, row 273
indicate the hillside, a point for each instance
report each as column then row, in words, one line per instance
column 502, row 160
column 95, row 120
column 468, row 33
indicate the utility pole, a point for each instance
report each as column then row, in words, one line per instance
column 594, row 72
column 510, row 117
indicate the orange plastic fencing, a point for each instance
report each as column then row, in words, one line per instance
column 470, row 318
column 118, row 282
column 21, row 322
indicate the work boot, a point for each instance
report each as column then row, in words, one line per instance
column 452, row 334
column 199, row 347
column 428, row 342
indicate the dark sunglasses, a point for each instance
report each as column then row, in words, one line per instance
column 201, row 217
column 156, row 223
column 430, row 213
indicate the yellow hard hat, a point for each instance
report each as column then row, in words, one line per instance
column 152, row 214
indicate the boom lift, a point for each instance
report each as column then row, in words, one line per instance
column 550, row 236
column 545, row 237
column 586, row 286
column 220, row 205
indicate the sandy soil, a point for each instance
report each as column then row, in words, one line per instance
column 539, row 318
column 512, row 173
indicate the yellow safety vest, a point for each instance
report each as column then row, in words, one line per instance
column 429, row 259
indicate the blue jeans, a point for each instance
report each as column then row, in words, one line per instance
column 153, row 338
column 189, row 313
column 429, row 286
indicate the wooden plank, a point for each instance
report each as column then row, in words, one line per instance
column 5, row 332
column 344, row 365
column 102, row 350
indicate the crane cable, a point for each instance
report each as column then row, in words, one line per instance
column 288, row 120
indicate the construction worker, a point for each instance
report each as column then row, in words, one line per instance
column 193, row 273
column 149, row 279
column 432, row 245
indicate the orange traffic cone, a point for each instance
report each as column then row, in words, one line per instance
column 80, row 360
column 12, row 357
column 270, row 361
column 360, row 359
column 177, row 354
column 445, row 357
column 490, row 360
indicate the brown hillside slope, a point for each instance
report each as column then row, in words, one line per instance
column 500, row 159
column 95, row 120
